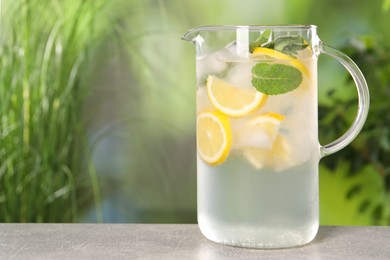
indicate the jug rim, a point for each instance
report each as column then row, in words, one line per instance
column 253, row 26
column 282, row 27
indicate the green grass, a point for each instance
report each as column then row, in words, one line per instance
column 46, row 173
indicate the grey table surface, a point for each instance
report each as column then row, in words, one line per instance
column 175, row 241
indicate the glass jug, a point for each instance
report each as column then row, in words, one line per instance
column 257, row 132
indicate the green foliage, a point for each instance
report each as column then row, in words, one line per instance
column 386, row 5
column 369, row 153
column 351, row 200
column 46, row 174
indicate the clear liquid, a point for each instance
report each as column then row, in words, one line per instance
column 243, row 203
column 242, row 206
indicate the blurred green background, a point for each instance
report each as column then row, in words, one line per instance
column 97, row 107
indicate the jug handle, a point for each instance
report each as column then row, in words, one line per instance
column 363, row 100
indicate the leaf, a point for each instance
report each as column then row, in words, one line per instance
column 350, row 200
column 275, row 79
column 289, row 45
column 262, row 39
column 384, row 139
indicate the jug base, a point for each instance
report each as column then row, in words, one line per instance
column 264, row 239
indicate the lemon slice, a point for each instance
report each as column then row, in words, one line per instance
column 231, row 100
column 259, row 51
column 214, row 137
column 259, row 132
column 277, row 158
column 269, row 122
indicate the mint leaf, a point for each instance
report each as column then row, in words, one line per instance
column 262, row 39
column 275, row 79
column 289, row 45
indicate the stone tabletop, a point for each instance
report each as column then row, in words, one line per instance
column 175, row 241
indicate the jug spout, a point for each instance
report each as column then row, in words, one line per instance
column 192, row 35
column 212, row 38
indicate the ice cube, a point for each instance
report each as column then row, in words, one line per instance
column 202, row 100
column 302, row 146
column 231, row 47
column 245, row 136
column 301, row 126
column 278, row 157
column 281, row 104
column 253, row 139
column 209, row 65
column 240, row 75
column 213, row 63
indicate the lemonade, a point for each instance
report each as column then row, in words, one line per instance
column 257, row 136
column 258, row 146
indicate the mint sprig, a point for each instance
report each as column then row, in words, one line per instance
column 262, row 39
column 289, row 45
column 275, row 79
